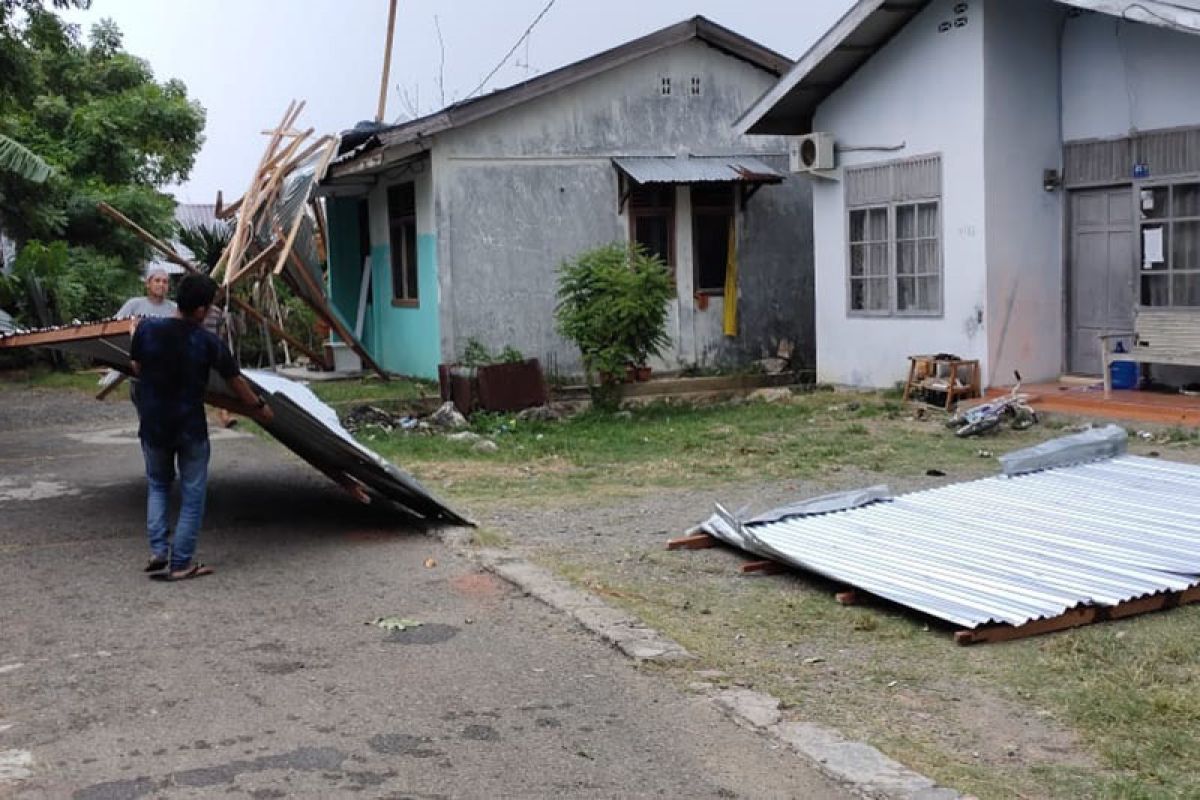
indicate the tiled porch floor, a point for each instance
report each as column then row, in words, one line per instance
column 1087, row 400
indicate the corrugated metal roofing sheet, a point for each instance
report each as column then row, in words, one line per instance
column 1006, row 549
column 302, row 423
column 697, row 169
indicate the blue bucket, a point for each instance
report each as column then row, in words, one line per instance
column 1124, row 374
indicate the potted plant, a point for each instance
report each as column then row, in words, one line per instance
column 613, row 306
column 506, row 381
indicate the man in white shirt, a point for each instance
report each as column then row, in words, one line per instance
column 155, row 303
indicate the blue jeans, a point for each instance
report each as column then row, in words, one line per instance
column 192, row 459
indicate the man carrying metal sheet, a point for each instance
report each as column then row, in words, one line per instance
column 172, row 359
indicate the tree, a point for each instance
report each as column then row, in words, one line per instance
column 108, row 131
column 21, row 161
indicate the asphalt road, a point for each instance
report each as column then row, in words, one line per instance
column 263, row 681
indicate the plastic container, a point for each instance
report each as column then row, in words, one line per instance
column 1123, row 374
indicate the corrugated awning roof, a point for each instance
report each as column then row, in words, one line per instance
column 788, row 106
column 697, row 169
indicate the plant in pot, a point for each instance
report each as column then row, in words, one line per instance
column 613, row 306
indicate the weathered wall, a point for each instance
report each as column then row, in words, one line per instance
column 1024, row 222
column 520, row 192
column 1120, row 76
column 924, row 90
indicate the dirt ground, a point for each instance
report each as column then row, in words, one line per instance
column 879, row 673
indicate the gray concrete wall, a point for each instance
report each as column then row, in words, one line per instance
column 518, row 193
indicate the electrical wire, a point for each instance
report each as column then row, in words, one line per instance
column 508, row 55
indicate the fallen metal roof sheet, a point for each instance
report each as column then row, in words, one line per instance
column 697, row 169
column 302, row 423
column 1004, row 549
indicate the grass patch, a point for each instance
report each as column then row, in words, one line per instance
column 665, row 445
column 371, row 388
column 41, row 377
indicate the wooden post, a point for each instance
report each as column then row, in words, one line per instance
column 330, row 316
column 387, row 61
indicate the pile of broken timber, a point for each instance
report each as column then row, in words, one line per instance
column 1001, row 632
column 279, row 232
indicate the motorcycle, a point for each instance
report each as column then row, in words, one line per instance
column 1013, row 407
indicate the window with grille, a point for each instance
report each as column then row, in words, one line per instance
column 1170, row 236
column 402, row 230
column 694, row 86
column 664, row 86
column 652, row 221
column 894, row 264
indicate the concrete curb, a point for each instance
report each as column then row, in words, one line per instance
column 857, row 765
column 627, row 633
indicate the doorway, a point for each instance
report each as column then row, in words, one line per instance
column 1101, row 275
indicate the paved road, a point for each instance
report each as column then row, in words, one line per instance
column 263, row 681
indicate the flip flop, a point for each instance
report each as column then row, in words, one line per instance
column 194, row 571
column 156, row 565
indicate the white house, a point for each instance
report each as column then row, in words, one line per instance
column 1009, row 179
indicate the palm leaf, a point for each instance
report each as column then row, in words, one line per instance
column 16, row 158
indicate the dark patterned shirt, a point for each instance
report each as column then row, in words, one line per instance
column 176, row 357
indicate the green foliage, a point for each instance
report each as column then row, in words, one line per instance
column 108, row 131
column 206, row 242
column 54, row 284
column 477, row 354
column 613, row 306
column 21, row 161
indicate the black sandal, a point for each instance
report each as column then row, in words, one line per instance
column 194, row 571
column 156, row 565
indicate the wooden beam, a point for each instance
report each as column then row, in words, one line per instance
column 848, row 598
column 72, row 333
column 330, row 317
column 175, row 258
column 766, row 567
column 695, row 541
column 107, row 390
column 1084, row 615
column 387, row 61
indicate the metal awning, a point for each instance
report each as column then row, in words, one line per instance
column 697, row 169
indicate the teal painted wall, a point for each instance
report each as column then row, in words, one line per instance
column 407, row 340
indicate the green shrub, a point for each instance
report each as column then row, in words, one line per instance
column 613, row 306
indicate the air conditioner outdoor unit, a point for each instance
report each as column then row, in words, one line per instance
column 811, row 152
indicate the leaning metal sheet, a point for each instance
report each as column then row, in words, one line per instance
column 302, row 423
column 1010, row 549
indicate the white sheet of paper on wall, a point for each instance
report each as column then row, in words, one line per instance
column 1152, row 246
column 1147, row 196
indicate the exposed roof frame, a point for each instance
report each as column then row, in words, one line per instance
column 700, row 28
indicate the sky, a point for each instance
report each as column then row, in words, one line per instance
column 244, row 60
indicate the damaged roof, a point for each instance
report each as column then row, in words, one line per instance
column 366, row 154
column 1111, row 537
column 787, row 107
column 301, row 422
